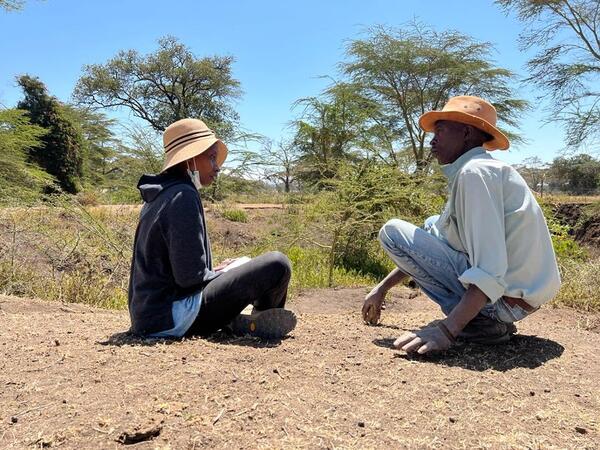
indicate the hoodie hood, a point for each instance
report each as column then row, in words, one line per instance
column 151, row 186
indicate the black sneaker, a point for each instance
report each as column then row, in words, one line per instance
column 272, row 323
column 484, row 330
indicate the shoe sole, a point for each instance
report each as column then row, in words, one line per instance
column 269, row 324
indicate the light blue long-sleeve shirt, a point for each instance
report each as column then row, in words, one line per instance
column 492, row 216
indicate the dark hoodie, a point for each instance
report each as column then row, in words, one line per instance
column 171, row 251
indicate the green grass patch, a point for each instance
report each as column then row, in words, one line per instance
column 235, row 215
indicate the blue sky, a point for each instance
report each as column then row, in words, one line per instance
column 282, row 48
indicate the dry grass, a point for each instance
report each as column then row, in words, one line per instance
column 82, row 254
column 580, row 284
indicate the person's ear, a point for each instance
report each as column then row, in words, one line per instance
column 468, row 132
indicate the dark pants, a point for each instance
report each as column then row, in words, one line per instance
column 261, row 282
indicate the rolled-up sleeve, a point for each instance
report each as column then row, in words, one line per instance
column 479, row 210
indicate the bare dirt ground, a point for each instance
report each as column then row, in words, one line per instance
column 70, row 379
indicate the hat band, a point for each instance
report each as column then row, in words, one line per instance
column 193, row 136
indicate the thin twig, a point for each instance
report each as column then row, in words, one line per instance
column 216, row 419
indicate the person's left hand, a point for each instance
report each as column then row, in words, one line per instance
column 430, row 339
column 223, row 264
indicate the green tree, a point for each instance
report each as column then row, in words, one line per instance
column 165, row 86
column 363, row 197
column 415, row 69
column 101, row 146
column 567, row 66
column 332, row 129
column 20, row 180
column 579, row 174
column 61, row 152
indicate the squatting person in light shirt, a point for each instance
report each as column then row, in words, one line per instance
column 488, row 260
column 174, row 290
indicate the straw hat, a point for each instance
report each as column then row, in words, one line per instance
column 187, row 138
column 471, row 111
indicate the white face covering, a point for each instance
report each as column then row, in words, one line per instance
column 194, row 175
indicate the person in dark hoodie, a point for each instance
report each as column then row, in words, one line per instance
column 173, row 289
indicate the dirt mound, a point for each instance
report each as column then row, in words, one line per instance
column 71, row 378
column 585, row 226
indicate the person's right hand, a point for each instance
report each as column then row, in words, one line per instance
column 374, row 303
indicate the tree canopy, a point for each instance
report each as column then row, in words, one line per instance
column 165, row 86
column 61, row 151
column 415, row 69
column 11, row 5
column 567, row 65
column 19, row 179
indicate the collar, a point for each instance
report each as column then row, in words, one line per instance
column 450, row 170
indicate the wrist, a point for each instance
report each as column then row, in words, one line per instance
column 452, row 327
column 447, row 332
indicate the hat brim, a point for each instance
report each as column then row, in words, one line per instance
column 500, row 142
column 193, row 149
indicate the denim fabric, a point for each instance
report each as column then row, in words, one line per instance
column 435, row 266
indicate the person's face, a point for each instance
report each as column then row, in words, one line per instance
column 206, row 165
column 448, row 141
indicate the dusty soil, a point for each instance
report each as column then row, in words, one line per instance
column 70, row 378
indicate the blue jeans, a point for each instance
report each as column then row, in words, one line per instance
column 435, row 266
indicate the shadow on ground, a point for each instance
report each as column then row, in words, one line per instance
column 126, row 338
column 522, row 351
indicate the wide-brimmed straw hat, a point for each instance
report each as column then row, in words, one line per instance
column 187, row 138
column 471, row 111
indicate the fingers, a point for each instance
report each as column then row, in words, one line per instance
column 365, row 311
column 371, row 312
column 427, row 347
column 404, row 339
column 377, row 316
column 410, row 342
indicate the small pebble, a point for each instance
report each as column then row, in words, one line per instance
column 14, row 419
column 361, row 424
column 56, row 342
column 531, row 393
column 452, row 419
column 581, row 430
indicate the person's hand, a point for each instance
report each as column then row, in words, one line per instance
column 374, row 303
column 223, row 264
column 430, row 339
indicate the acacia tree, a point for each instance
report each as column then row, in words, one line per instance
column 19, row 179
column 61, row 151
column 567, row 66
column 165, row 86
column 279, row 163
column 101, row 147
column 415, row 69
column 332, row 128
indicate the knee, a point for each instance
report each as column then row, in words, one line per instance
column 279, row 264
column 391, row 232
